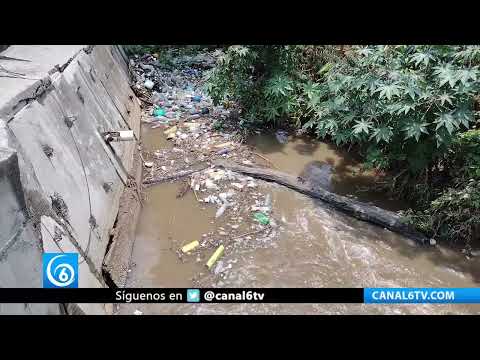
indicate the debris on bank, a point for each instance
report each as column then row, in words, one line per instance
column 175, row 103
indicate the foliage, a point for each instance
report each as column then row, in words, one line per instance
column 267, row 82
column 404, row 104
column 455, row 214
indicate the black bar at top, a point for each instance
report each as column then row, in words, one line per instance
column 272, row 295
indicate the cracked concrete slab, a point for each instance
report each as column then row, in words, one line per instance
column 20, row 79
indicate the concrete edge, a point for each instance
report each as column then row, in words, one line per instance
column 120, row 248
column 37, row 89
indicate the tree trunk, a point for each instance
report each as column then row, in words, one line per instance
column 356, row 209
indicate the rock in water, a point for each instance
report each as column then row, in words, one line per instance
column 282, row 136
column 318, row 174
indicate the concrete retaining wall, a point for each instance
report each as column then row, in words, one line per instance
column 60, row 183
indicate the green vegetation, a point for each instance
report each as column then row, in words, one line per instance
column 267, row 82
column 454, row 214
column 408, row 110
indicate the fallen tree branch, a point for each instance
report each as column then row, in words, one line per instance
column 356, row 209
column 176, row 176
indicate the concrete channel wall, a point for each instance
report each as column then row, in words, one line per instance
column 60, row 182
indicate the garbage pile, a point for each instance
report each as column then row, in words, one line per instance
column 172, row 93
column 186, row 116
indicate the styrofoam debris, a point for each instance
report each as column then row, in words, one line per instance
column 237, row 185
column 221, row 210
column 217, row 175
column 211, row 199
column 149, row 84
column 260, row 208
column 209, row 184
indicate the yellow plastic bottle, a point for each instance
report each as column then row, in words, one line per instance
column 216, row 255
column 190, row 246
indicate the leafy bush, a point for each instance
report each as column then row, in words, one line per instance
column 455, row 214
column 403, row 103
column 266, row 81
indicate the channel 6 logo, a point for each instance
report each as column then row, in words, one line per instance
column 60, row 270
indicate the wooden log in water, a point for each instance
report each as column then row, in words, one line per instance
column 369, row 213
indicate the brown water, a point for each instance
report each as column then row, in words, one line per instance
column 153, row 139
column 347, row 177
column 311, row 246
column 166, row 224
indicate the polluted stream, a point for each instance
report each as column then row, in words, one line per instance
column 311, row 245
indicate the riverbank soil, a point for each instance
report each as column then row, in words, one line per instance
column 271, row 236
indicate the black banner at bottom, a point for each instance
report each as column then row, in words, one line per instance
column 183, row 295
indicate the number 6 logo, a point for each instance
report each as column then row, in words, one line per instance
column 60, row 270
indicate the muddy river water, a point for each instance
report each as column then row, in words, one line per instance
column 313, row 246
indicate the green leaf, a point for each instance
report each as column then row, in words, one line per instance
column 442, row 137
column 330, row 125
column 412, row 90
column 361, row 126
column 388, row 91
column 325, row 69
column 393, row 108
column 311, row 89
column 406, row 108
column 279, row 85
column 335, row 85
column 314, row 101
column 461, row 120
column 271, row 112
column 419, row 58
column 347, row 119
column 415, row 130
column 239, row 49
column 365, row 51
column 288, row 105
column 446, row 120
column 470, row 53
column 465, row 75
column 340, row 137
column 371, row 84
column 445, row 97
column 464, row 115
column 310, row 124
column 446, row 74
column 384, row 133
